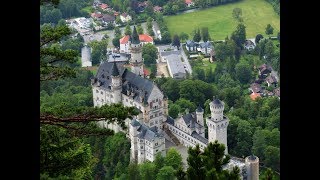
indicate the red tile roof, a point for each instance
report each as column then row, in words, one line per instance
column 188, row 1
column 146, row 72
column 145, row 38
column 96, row 15
column 254, row 96
column 124, row 39
column 104, row 6
column 142, row 38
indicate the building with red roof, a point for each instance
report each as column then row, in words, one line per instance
column 189, row 3
column 254, row 96
column 103, row 6
column 124, row 42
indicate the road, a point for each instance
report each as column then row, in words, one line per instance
column 99, row 35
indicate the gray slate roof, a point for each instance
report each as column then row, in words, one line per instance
column 191, row 120
column 199, row 109
column 148, row 133
column 167, row 53
column 191, row 43
column 206, row 45
column 175, row 64
column 138, row 86
column 200, row 138
column 170, row 120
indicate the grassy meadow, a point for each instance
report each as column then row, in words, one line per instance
column 256, row 15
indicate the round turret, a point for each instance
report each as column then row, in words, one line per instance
column 216, row 108
column 252, row 167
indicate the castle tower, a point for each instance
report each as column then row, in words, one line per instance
column 217, row 123
column 116, row 84
column 252, row 167
column 136, row 60
column 199, row 114
column 133, row 133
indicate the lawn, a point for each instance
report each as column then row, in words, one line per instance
column 205, row 65
column 256, row 15
column 88, row 9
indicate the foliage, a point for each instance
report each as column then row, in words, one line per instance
column 150, row 54
column 173, row 158
column 205, row 34
column 99, row 51
column 239, row 35
column 166, row 173
column 116, row 42
column 147, row 171
column 63, row 154
column 133, row 172
column 54, row 62
column 183, row 36
column 127, row 30
column 269, row 29
column 196, row 35
column 258, row 38
column 243, row 72
column 176, row 41
column 139, row 29
column 117, row 155
column 237, row 13
column 208, row 164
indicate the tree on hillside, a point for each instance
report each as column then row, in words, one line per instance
column 180, row 174
column 243, row 72
column 205, row 34
column 183, row 36
column 139, row 29
column 117, row 31
column 147, row 170
column 166, row 173
column 133, row 172
column 237, row 13
column 258, row 38
column 127, row 30
column 196, row 36
column 116, row 42
column 174, row 110
column 150, row 54
column 173, row 158
column 159, row 162
column 269, row 29
column 268, row 175
column 176, row 41
column 239, row 35
column 195, row 164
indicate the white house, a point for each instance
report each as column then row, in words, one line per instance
column 124, row 42
column 125, row 17
column 205, row 47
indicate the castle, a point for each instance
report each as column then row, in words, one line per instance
column 115, row 84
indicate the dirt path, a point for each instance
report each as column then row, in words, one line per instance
column 162, row 69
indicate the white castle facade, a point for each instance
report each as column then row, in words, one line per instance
column 115, row 84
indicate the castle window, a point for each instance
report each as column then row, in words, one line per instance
column 141, row 140
column 101, row 92
column 157, row 150
column 97, row 91
column 156, row 100
column 156, row 122
column 156, row 144
column 141, row 147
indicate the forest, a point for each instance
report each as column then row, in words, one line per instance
column 73, row 150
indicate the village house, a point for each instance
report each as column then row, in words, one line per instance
column 271, row 81
column 104, row 6
column 157, row 9
column 264, row 70
column 124, row 42
column 191, row 45
column 205, row 47
column 255, row 88
column 108, row 19
column 125, row 17
column 189, row 3
column 175, row 66
column 249, row 45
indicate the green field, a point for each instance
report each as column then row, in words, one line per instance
column 256, row 15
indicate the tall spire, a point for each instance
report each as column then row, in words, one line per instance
column 115, row 70
column 135, row 36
